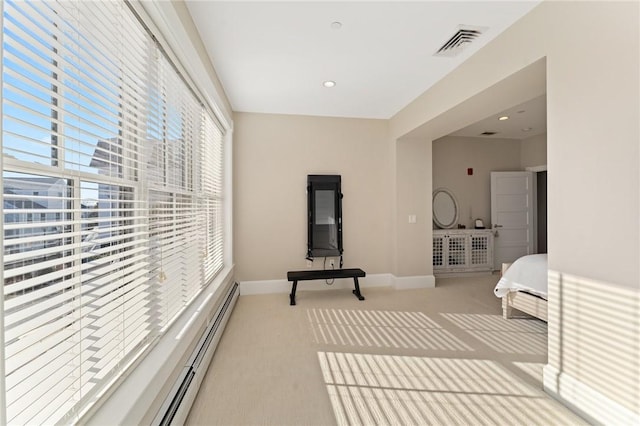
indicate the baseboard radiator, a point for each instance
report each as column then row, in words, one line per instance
column 176, row 406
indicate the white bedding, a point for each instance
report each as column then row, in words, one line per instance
column 529, row 273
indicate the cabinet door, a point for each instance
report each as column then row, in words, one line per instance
column 480, row 250
column 456, row 250
column 438, row 251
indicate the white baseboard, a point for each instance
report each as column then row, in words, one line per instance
column 284, row 286
column 374, row 280
column 418, row 281
column 462, row 274
column 586, row 401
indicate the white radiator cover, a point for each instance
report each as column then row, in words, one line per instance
column 176, row 406
column 140, row 396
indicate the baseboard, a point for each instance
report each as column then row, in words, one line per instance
column 284, row 286
column 418, row 281
column 462, row 274
column 586, row 401
column 374, row 280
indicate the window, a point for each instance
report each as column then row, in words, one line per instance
column 112, row 201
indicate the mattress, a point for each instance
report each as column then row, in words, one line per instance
column 528, row 274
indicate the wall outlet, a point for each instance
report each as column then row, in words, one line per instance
column 332, row 262
column 309, row 263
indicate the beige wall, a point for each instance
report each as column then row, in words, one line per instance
column 451, row 158
column 273, row 154
column 525, row 84
column 592, row 86
column 533, row 151
column 453, row 155
column 593, row 134
column 413, row 197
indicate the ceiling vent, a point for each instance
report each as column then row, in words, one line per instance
column 464, row 35
column 488, row 133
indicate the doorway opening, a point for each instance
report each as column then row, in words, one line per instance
column 541, row 210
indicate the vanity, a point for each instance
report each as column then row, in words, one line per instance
column 457, row 250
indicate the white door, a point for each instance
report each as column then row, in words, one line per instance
column 512, row 215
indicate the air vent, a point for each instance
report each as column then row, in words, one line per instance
column 464, row 35
column 488, row 133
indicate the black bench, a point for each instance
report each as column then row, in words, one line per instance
column 325, row 274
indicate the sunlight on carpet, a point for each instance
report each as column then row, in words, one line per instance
column 515, row 336
column 392, row 390
column 383, row 329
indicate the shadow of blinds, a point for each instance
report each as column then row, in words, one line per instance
column 369, row 389
column 382, row 329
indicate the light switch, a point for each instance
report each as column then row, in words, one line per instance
column 412, row 218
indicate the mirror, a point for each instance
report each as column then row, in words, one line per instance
column 445, row 208
column 324, row 214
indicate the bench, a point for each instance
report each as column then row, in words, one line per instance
column 324, row 274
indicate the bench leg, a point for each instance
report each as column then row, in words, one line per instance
column 357, row 290
column 292, row 296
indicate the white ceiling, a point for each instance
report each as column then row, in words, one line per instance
column 525, row 120
column 272, row 57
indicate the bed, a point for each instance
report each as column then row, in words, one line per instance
column 523, row 286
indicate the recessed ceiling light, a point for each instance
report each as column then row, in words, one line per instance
column 527, row 129
column 329, row 83
column 504, row 117
column 336, row 25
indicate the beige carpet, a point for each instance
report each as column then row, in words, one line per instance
column 440, row 356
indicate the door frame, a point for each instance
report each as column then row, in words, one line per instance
column 536, row 170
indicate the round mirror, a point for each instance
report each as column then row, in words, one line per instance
column 445, row 208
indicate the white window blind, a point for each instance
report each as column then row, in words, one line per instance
column 211, row 173
column 112, row 190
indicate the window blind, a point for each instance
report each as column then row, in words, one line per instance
column 211, row 182
column 112, row 189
